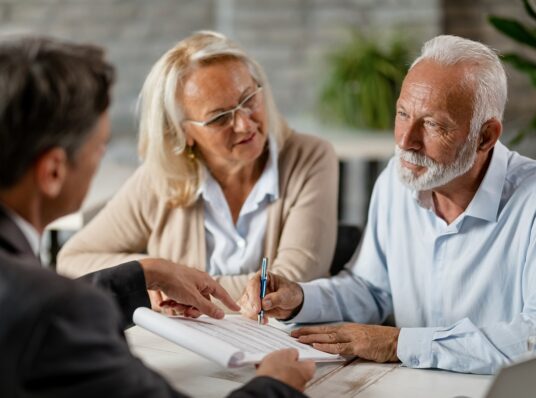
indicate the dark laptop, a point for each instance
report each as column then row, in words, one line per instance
column 515, row 381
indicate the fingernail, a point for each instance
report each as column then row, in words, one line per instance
column 219, row 313
column 267, row 304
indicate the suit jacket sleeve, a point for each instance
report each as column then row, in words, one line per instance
column 77, row 349
column 266, row 387
column 126, row 284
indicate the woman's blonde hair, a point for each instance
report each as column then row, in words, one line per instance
column 162, row 141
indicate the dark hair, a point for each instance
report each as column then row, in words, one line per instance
column 51, row 95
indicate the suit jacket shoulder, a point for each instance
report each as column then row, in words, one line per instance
column 63, row 338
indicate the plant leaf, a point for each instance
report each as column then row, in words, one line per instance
column 529, row 7
column 516, row 140
column 514, row 29
column 522, row 64
column 521, row 134
column 363, row 82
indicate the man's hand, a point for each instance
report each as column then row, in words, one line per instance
column 283, row 365
column 162, row 303
column 282, row 297
column 375, row 343
column 156, row 298
column 186, row 290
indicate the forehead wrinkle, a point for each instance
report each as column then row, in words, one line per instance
column 208, row 89
column 440, row 89
column 416, row 96
column 418, row 93
column 441, row 101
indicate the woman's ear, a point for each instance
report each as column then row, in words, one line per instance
column 489, row 134
column 185, row 127
column 50, row 171
column 190, row 141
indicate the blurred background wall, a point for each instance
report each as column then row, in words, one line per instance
column 290, row 38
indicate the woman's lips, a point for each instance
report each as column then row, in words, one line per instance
column 246, row 140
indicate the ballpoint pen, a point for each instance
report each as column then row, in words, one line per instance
column 264, row 275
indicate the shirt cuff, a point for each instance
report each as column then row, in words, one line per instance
column 415, row 347
column 309, row 308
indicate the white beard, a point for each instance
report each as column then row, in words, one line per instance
column 436, row 174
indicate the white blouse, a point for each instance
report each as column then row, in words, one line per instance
column 237, row 249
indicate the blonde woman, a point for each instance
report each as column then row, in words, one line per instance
column 223, row 182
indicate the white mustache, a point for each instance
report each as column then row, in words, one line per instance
column 414, row 157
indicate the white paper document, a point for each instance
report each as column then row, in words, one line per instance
column 231, row 342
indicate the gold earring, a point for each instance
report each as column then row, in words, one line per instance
column 190, row 154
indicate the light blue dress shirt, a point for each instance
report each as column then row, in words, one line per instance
column 463, row 294
column 237, row 249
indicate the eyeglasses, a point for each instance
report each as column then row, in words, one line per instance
column 225, row 119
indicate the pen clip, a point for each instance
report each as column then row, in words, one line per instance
column 264, row 267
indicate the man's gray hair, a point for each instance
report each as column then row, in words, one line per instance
column 485, row 74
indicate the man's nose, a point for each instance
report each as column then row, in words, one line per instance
column 411, row 137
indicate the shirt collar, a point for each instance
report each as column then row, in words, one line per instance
column 485, row 203
column 267, row 185
column 28, row 230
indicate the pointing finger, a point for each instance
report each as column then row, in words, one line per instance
column 221, row 294
column 207, row 307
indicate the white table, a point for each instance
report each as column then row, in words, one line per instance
column 199, row 377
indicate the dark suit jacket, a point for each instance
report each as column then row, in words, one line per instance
column 64, row 338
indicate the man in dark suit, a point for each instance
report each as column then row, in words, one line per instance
column 64, row 338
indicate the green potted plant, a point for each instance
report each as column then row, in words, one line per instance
column 525, row 35
column 363, row 83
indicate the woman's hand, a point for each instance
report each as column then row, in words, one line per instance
column 283, row 298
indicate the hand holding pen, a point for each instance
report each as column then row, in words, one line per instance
column 278, row 298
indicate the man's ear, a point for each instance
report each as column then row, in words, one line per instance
column 50, row 171
column 489, row 134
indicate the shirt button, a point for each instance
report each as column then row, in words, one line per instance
column 414, row 362
column 241, row 243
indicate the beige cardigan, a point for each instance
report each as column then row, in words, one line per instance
column 301, row 229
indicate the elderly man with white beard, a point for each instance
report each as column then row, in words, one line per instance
column 450, row 246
